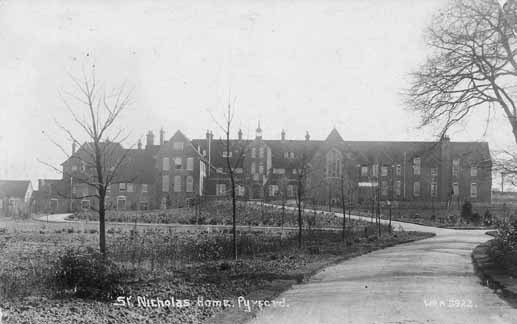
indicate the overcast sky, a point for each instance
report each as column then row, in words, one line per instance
column 297, row 65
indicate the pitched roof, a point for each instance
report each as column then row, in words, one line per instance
column 14, row 188
column 334, row 136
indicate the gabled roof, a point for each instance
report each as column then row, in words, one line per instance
column 334, row 136
column 14, row 188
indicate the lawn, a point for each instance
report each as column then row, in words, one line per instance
column 165, row 263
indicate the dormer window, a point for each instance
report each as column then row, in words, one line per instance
column 177, row 146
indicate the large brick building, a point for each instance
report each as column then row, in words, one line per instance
column 174, row 172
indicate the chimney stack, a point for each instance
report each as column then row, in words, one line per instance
column 258, row 134
column 283, row 135
column 139, row 145
column 307, row 136
column 239, row 134
column 73, row 147
column 149, row 139
column 162, row 134
column 209, row 137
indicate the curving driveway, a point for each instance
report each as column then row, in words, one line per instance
column 428, row 281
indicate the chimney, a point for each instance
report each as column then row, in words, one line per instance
column 258, row 134
column 139, row 145
column 162, row 133
column 283, row 135
column 209, row 137
column 73, row 148
column 149, row 139
column 239, row 134
column 307, row 136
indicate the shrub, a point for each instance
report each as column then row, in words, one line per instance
column 88, row 274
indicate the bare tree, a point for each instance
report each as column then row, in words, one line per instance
column 232, row 162
column 301, row 166
column 94, row 113
column 472, row 68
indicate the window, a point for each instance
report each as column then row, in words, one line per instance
column 364, row 171
column 178, row 163
column 177, row 146
column 455, row 167
column 291, row 155
column 144, row 205
column 286, row 155
column 122, row 187
column 165, row 164
column 74, row 167
column 253, row 152
column 398, row 170
column 290, row 191
column 240, row 190
column 434, row 187
column 145, row 188
column 416, row 189
column 177, row 183
column 261, row 168
column 455, row 189
column 130, row 187
column 333, row 164
column 434, row 172
column 473, row 190
column 278, row 171
column 85, row 204
column 12, row 203
column 54, row 203
column 239, row 170
column 294, row 171
column 253, row 169
column 261, row 152
column 108, row 189
column 190, row 164
column 220, row 189
column 375, row 170
column 384, row 188
column 256, row 177
column 417, row 164
column 273, row 190
column 397, row 187
column 121, row 203
column 227, row 154
column 190, row 184
column 384, row 171
column 83, row 166
column 473, row 171
column 165, row 183
column 219, row 170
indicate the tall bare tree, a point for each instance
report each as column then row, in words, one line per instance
column 234, row 156
column 301, row 166
column 472, row 68
column 94, row 113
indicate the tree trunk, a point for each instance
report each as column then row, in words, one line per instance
column 102, row 225
column 299, row 223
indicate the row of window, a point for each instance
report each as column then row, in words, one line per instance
column 417, row 170
column 434, row 188
column 273, row 190
column 178, row 163
column 178, row 183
